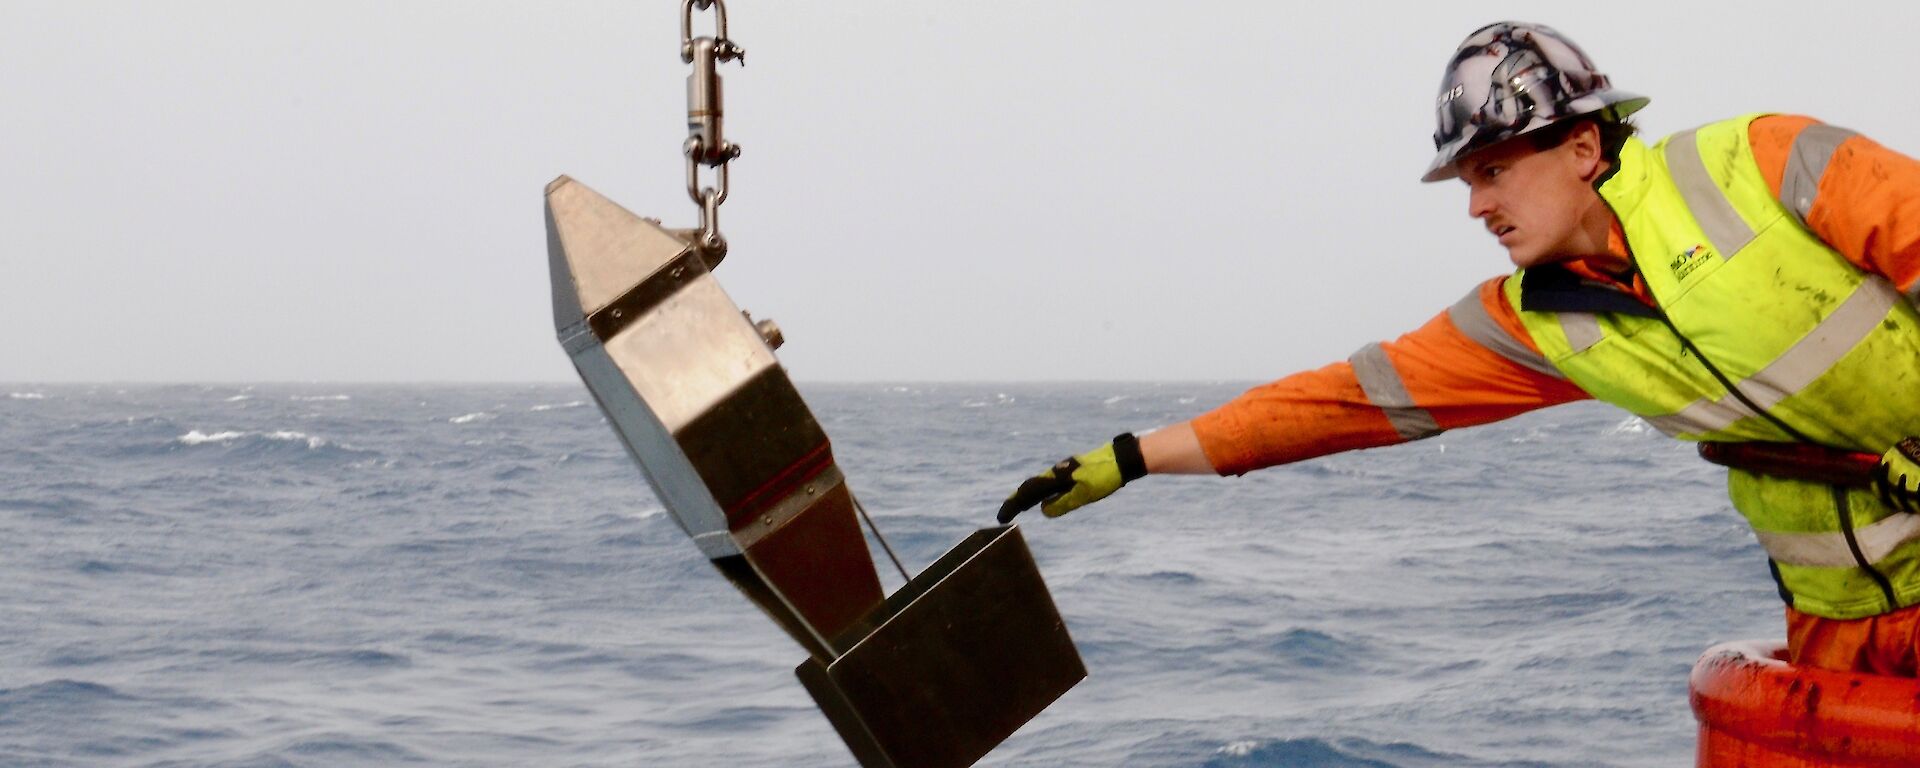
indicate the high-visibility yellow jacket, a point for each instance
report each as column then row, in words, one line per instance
column 1774, row 250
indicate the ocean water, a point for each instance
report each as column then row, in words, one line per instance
column 328, row 575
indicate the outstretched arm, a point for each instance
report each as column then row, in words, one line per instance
column 1470, row 365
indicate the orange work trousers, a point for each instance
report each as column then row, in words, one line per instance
column 1881, row 645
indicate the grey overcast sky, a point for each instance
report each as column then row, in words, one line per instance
column 350, row 190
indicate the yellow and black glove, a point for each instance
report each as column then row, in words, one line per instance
column 1898, row 476
column 1084, row 479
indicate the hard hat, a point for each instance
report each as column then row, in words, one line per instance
column 1511, row 78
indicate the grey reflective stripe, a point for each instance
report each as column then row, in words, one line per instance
column 1829, row 550
column 1794, row 369
column 1806, row 163
column 1913, row 294
column 1725, row 230
column 1384, row 389
column 1470, row 316
column 1582, row 329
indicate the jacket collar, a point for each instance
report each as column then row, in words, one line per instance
column 1625, row 187
column 1555, row 288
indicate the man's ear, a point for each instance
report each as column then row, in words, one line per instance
column 1590, row 160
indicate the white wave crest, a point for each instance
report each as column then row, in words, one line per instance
column 471, row 417
column 296, row 437
column 317, row 398
column 1112, row 400
column 26, row 396
column 196, row 437
column 1238, row 749
column 558, row 406
column 238, row 398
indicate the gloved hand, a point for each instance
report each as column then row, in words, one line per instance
column 1898, row 476
column 1084, row 479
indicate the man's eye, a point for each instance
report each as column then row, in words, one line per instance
column 1491, row 171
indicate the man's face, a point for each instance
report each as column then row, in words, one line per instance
column 1531, row 199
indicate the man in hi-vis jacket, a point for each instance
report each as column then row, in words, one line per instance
column 1751, row 280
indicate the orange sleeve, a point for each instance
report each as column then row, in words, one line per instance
column 1867, row 204
column 1449, row 380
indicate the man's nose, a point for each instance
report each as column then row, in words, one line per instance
column 1480, row 203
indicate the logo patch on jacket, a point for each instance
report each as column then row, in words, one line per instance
column 1689, row 260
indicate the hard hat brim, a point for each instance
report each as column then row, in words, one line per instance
column 1608, row 105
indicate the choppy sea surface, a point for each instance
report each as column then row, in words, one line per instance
column 326, row 575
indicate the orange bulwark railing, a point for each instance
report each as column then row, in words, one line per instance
column 1758, row 711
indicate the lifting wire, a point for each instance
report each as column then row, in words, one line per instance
column 707, row 145
column 862, row 508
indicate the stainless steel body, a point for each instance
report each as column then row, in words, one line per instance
column 936, row 675
column 973, row 648
column 695, row 394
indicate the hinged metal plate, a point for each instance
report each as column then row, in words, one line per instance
column 953, row 663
